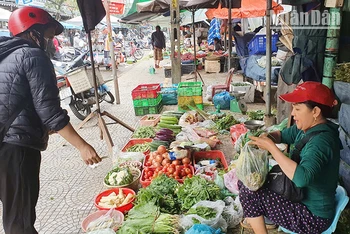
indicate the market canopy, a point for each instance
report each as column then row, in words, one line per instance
column 78, row 21
column 134, row 17
column 70, row 26
column 248, row 9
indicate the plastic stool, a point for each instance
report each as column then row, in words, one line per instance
column 341, row 200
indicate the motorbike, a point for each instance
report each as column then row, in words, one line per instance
column 80, row 103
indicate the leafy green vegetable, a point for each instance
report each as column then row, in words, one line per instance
column 161, row 192
column 196, row 189
column 226, row 122
column 202, row 211
column 119, row 176
column 144, row 132
column 256, row 115
column 146, row 218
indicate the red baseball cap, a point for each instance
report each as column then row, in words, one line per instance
column 311, row 91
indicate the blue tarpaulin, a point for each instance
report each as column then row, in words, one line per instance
column 214, row 31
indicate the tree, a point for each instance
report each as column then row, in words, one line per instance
column 59, row 6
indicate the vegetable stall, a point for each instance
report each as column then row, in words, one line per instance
column 171, row 178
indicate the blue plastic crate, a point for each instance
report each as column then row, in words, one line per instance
column 258, row 44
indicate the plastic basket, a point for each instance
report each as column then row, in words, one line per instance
column 145, row 121
column 187, row 68
column 189, row 89
column 258, row 44
column 145, row 183
column 124, row 208
column 145, row 91
column 134, row 185
column 211, row 155
column 147, row 101
column 136, row 141
column 82, row 80
column 186, row 99
column 140, row 111
column 200, row 106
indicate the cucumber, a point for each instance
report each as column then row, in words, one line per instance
column 171, row 127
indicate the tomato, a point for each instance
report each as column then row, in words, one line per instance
column 161, row 149
column 188, row 171
column 171, row 170
column 186, row 166
column 177, row 173
column 159, row 158
column 165, row 161
column 150, row 173
column 160, row 173
column 184, row 177
column 189, row 175
column 172, row 165
column 183, row 173
column 145, row 176
column 176, row 162
column 177, row 177
column 186, row 161
column 156, row 164
column 178, row 167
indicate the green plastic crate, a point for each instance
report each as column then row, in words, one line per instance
column 190, row 89
column 200, row 106
column 147, row 102
column 140, row 111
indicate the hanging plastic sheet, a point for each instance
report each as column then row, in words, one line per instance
column 214, row 31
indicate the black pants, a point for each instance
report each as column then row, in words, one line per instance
column 19, row 188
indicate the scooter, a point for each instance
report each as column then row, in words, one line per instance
column 80, row 103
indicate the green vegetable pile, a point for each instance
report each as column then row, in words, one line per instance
column 256, row 115
column 146, row 218
column 226, row 122
column 144, row 132
column 202, row 211
column 119, row 176
column 196, row 189
column 139, row 148
column 160, row 192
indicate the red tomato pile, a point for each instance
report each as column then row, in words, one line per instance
column 158, row 163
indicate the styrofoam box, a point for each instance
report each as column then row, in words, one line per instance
column 249, row 90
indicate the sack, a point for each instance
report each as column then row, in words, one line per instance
column 279, row 183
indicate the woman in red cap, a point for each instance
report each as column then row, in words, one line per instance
column 317, row 173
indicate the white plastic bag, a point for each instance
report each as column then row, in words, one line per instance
column 103, row 231
column 252, row 167
column 233, row 212
column 111, row 220
column 120, row 157
column 218, row 221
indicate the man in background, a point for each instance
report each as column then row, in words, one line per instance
column 158, row 42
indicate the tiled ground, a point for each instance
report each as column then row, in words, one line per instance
column 68, row 186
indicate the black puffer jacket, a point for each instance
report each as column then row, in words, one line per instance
column 27, row 75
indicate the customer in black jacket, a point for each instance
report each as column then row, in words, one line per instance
column 28, row 85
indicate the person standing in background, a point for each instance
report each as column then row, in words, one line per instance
column 158, row 43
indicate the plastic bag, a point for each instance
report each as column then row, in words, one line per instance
column 233, row 212
column 202, row 229
column 252, row 167
column 103, row 231
column 187, row 134
column 111, row 220
column 236, row 131
column 120, row 157
column 209, row 93
column 230, row 181
column 223, row 100
column 218, row 221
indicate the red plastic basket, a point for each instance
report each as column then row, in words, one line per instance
column 136, row 141
column 145, row 91
column 124, row 208
column 213, row 154
column 145, row 182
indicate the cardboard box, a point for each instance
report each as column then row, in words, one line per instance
column 212, row 66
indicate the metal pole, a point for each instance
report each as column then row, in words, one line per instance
column 111, row 46
column 268, row 58
column 194, row 45
column 229, row 35
column 94, row 73
column 175, row 33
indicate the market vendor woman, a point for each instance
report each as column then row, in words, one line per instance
column 317, row 172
